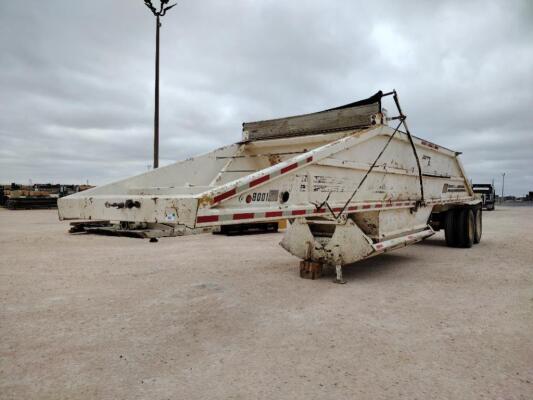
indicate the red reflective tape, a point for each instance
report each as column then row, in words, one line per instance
column 309, row 159
column 319, row 210
column 289, row 168
column 429, row 144
column 338, row 209
column 271, row 214
column 298, row 212
column 365, row 206
column 243, row 216
column 352, row 208
column 388, row 205
column 257, row 181
column 223, row 196
column 378, row 205
column 207, row 218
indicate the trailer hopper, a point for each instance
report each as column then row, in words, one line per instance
column 353, row 182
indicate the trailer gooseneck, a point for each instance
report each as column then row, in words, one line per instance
column 352, row 186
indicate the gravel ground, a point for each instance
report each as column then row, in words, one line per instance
column 214, row 317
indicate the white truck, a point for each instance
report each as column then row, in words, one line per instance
column 352, row 181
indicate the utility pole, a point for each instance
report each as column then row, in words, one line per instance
column 503, row 185
column 157, row 13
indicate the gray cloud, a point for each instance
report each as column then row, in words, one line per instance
column 77, row 78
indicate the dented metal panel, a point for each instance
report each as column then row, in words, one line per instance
column 356, row 115
column 326, row 121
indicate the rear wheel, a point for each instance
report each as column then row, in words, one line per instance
column 450, row 231
column 478, row 225
column 465, row 228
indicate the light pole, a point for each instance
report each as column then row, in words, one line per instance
column 163, row 8
column 503, row 185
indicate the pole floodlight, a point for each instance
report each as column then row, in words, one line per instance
column 163, row 8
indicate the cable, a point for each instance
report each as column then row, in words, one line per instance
column 325, row 202
column 403, row 118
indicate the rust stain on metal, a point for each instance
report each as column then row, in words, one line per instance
column 205, row 200
column 274, row 159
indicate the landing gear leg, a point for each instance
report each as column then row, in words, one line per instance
column 338, row 270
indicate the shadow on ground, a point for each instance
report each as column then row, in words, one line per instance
column 439, row 242
column 375, row 266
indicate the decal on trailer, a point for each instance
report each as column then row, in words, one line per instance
column 272, row 195
column 322, row 183
column 170, row 215
column 329, row 184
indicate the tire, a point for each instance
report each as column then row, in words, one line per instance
column 478, row 220
column 450, row 220
column 465, row 228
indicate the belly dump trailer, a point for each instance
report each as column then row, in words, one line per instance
column 352, row 181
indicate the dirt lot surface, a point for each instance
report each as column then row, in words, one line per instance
column 214, row 317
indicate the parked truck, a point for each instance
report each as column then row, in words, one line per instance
column 487, row 193
column 353, row 182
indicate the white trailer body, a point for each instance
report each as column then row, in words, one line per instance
column 347, row 180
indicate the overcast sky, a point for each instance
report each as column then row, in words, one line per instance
column 76, row 78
